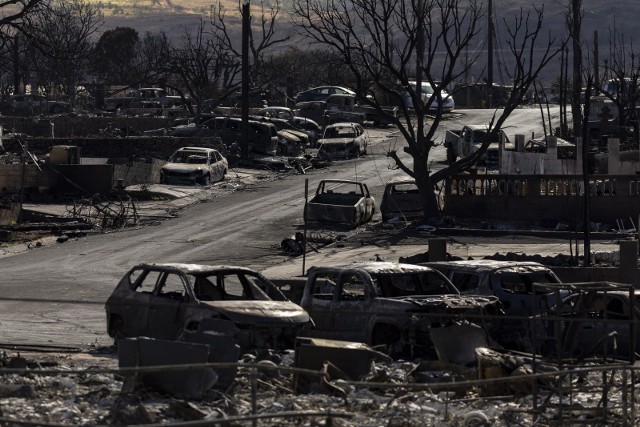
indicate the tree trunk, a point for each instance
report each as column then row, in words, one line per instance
column 426, row 186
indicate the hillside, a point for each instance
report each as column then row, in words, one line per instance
column 177, row 16
column 145, row 15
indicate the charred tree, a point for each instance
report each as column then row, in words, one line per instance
column 398, row 45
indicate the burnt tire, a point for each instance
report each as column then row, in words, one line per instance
column 116, row 328
column 388, row 336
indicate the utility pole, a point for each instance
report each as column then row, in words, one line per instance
column 490, row 59
column 576, row 36
column 16, row 65
column 244, row 143
column 596, row 63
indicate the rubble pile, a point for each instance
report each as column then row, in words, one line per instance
column 70, row 391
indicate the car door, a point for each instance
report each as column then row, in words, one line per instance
column 168, row 305
column 132, row 303
column 604, row 327
column 218, row 166
column 352, row 308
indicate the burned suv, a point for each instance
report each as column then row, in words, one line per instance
column 165, row 300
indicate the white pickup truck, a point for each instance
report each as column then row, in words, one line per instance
column 464, row 142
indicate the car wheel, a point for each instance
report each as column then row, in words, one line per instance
column 390, row 337
column 206, row 181
column 116, row 328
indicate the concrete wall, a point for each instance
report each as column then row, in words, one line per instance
column 53, row 181
column 613, row 162
column 538, row 198
column 526, row 163
column 138, row 172
column 11, row 177
column 121, row 148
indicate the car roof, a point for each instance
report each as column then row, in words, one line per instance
column 400, row 180
column 379, row 267
column 275, row 107
column 342, row 124
column 488, row 265
column 194, row 268
column 203, row 149
column 329, row 86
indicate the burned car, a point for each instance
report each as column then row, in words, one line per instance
column 340, row 202
column 596, row 319
column 194, row 165
column 512, row 282
column 29, row 104
column 388, row 304
column 401, row 199
column 166, row 300
column 343, row 141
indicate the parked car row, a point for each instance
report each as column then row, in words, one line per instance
column 407, row 309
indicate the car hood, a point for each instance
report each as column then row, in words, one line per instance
column 183, row 167
column 257, row 312
column 336, row 141
column 449, row 303
column 290, row 136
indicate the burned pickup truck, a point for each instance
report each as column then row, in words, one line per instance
column 340, row 202
column 165, row 301
column 393, row 305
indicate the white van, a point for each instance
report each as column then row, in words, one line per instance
column 427, row 95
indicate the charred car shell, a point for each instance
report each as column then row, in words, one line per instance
column 401, row 199
column 382, row 303
column 343, row 141
column 165, row 300
column 194, row 165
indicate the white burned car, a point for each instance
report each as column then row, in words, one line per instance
column 194, row 165
column 343, row 140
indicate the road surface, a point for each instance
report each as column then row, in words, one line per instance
column 55, row 294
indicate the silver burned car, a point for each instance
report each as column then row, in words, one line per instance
column 194, row 165
column 167, row 300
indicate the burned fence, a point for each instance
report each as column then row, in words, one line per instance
column 542, row 197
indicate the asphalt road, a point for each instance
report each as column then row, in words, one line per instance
column 55, row 294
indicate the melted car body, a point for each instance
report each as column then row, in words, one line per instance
column 165, row 300
column 194, row 165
